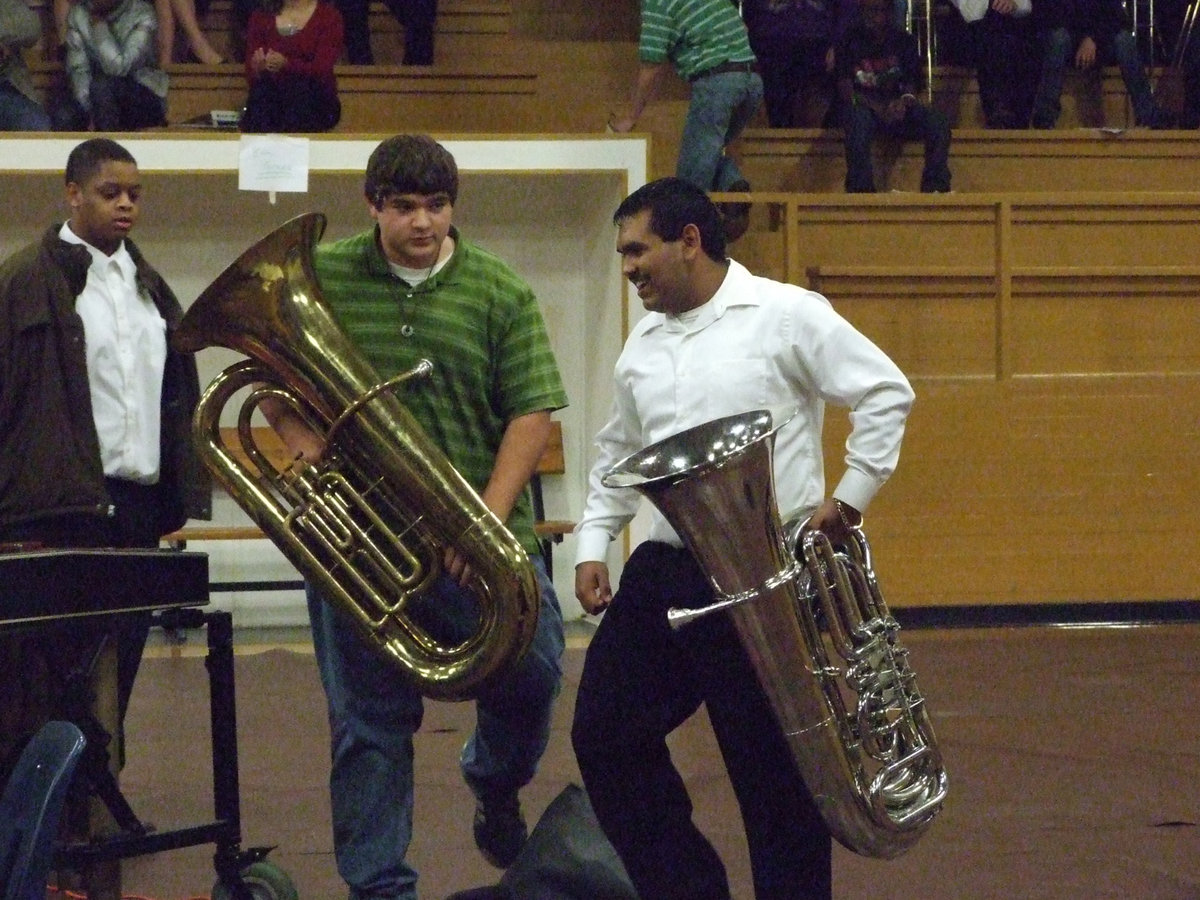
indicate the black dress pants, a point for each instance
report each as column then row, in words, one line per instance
column 641, row 681
column 417, row 16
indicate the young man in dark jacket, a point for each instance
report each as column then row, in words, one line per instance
column 878, row 76
column 95, row 411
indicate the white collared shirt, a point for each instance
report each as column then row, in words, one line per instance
column 756, row 344
column 126, row 347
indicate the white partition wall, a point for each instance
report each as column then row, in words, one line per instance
column 544, row 204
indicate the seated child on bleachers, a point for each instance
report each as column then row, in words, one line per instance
column 115, row 82
column 878, row 75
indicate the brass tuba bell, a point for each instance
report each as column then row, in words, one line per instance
column 813, row 624
column 368, row 524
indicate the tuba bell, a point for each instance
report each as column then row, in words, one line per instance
column 814, row 625
column 369, row 522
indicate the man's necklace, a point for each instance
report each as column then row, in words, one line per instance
column 406, row 329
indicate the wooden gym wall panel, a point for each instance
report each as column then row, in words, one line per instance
column 1094, row 229
column 859, row 230
column 935, row 323
column 1050, row 456
column 1050, row 490
column 1100, row 323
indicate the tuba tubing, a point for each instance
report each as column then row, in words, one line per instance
column 813, row 624
column 369, row 522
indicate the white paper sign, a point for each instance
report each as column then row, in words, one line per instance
column 273, row 162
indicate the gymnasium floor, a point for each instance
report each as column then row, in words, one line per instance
column 1073, row 755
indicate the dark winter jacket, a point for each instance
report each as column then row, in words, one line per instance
column 49, row 452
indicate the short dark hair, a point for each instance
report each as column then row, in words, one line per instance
column 87, row 158
column 674, row 204
column 410, row 164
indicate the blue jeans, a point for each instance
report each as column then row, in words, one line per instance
column 19, row 113
column 1058, row 47
column 374, row 712
column 920, row 123
column 720, row 109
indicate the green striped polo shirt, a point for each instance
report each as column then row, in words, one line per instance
column 479, row 324
column 693, row 35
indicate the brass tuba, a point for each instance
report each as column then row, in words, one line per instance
column 814, row 625
column 367, row 524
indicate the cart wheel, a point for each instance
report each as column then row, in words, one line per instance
column 265, row 880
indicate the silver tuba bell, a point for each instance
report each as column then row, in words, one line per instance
column 814, row 625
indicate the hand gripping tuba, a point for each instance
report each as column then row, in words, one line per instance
column 367, row 524
column 813, row 624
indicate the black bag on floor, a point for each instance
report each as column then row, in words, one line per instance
column 566, row 857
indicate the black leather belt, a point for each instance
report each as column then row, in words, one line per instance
column 724, row 68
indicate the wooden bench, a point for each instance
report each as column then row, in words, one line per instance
column 464, row 31
column 375, row 99
column 981, row 160
column 549, row 531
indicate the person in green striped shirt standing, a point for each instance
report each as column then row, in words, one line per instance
column 706, row 42
column 414, row 287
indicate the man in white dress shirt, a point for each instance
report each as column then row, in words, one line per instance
column 95, row 412
column 718, row 341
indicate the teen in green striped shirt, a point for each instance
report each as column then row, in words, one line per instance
column 707, row 43
column 414, row 287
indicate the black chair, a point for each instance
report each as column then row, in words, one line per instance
column 31, row 807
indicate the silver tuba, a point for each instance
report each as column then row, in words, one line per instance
column 814, row 625
column 368, row 524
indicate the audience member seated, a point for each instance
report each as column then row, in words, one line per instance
column 1004, row 55
column 291, row 49
column 1096, row 33
column 878, row 75
column 1178, row 87
column 115, row 81
column 794, row 41
column 1188, row 56
column 20, row 108
column 416, row 16
column 168, row 12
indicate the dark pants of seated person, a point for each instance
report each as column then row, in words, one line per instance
column 1190, row 116
column 1058, row 47
column 920, row 123
column 1004, row 50
column 642, row 680
column 795, row 82
column 118, row 104
column 416, row 16
column 289, row 106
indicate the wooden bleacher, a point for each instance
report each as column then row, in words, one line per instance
column 982, row 160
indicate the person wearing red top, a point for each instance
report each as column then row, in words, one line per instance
column 291, row 49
